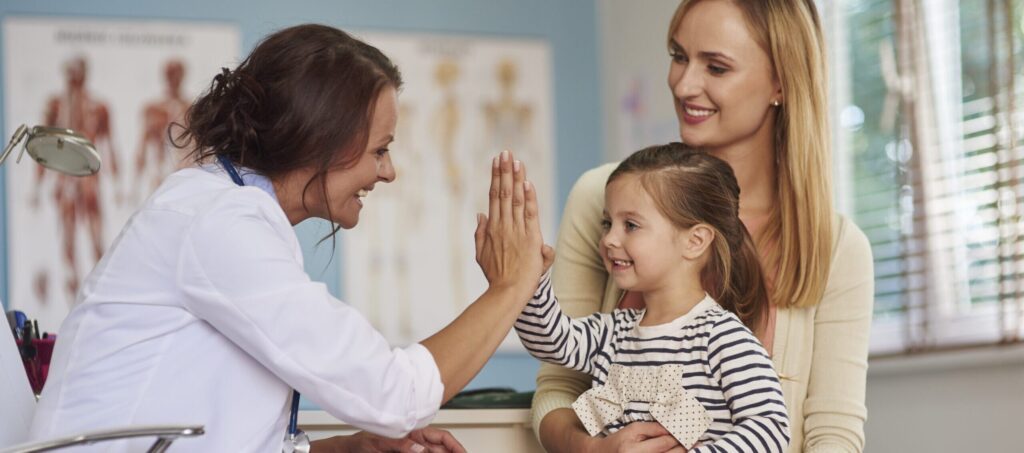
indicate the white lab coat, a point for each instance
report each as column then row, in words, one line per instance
column 201, row 313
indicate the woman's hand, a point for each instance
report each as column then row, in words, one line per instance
column 639, row 437
column 562, row 432
column 509, row 246
column 426, row 440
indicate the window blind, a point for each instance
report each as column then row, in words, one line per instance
column 932, row 139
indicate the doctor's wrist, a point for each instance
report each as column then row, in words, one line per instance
column 336, row 444
column 519, row 292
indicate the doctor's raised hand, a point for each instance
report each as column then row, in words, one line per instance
column 201, row 312
column 508, row 249
column 510, row 235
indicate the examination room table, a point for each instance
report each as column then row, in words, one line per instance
column 479, row 430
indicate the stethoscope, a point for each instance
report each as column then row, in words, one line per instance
column 295, row 440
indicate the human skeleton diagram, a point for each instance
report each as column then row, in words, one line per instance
column 508, row 124
column 447, row 121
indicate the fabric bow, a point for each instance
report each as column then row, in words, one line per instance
column 669, row 403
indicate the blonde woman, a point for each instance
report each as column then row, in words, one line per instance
column 749, row 84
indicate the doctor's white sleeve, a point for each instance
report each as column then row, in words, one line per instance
column 241, row 271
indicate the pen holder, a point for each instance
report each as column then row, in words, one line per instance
column 36, row 357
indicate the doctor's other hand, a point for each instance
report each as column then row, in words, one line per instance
column 426, row 440
column 509, row 246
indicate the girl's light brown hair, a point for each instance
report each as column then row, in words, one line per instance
column 690, row 188
column 797, row 242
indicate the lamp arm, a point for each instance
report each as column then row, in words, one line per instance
column 15, row 139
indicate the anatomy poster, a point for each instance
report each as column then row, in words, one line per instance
column 410, row 266
column 120, row 84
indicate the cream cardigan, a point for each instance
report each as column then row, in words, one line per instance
column 820, row 352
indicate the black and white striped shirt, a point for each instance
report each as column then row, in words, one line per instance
column 724, row 365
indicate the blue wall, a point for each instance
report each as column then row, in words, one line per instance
column 570, row 26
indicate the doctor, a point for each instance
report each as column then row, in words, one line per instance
column 201, row 311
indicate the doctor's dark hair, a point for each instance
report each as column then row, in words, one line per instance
column 303, row 98
column 689, row 188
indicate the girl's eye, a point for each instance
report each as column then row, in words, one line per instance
column 630, row 226
column 606, row 225
column 716, row 70
column 381, row 152
column 678, row 56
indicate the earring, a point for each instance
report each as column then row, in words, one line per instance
column 776, row 103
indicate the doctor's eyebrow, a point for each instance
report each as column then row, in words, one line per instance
column 385, row 141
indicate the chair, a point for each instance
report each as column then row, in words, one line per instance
column 19, row 405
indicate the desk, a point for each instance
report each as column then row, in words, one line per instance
column 479, row 430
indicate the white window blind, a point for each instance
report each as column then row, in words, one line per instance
column 927, row 100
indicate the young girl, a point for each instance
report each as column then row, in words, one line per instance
column 689, row 359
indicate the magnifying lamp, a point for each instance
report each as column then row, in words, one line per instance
column 56, row 148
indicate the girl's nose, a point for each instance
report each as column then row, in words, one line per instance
column 609, row 240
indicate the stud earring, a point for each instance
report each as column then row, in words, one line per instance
column 776, row 103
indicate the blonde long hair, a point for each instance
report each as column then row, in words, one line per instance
column 797, row 242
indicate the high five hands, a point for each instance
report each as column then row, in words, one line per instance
column 509, row 247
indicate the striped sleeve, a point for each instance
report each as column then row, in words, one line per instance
column 552, row 336
column 751, row 388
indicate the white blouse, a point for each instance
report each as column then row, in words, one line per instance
column 201, row 313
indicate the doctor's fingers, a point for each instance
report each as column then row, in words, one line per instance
column 494, row 194
column 438, row 440
column 505, row 194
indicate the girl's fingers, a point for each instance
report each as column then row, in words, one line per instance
column 518, row 178
column 531, row 217
column 548, row 254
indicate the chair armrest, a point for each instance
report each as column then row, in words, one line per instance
column 165, row 434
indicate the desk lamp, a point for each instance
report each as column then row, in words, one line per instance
column 56, row 148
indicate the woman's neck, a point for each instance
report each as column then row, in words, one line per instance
column 754, row 163
column 289, row 189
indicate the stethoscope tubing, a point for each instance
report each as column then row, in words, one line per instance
column 293, row 419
